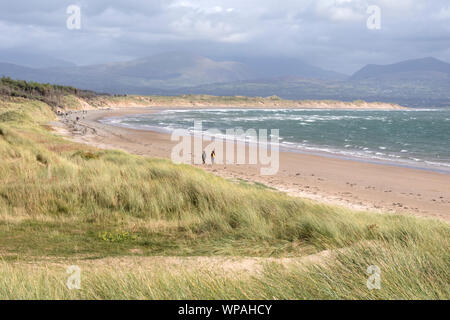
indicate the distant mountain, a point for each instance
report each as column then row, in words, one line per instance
column 20, row 72
column 410, row 70
column 166, row 72
column 415, row 83
column 30, row 74
column 275, row 67
column 32, row 60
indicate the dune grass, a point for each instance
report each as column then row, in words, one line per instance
column 61, row 201
column 405, row 274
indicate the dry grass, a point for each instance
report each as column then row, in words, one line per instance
column 63, row 203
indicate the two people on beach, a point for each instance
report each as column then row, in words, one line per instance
column 213, row 156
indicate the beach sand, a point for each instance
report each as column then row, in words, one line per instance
column 354, row 184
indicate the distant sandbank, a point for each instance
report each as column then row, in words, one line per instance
column 208, row 101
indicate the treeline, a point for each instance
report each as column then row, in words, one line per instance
column 51, row 94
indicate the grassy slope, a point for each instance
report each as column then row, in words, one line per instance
column 62, row 202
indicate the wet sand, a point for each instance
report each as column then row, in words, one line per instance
column 354, row 184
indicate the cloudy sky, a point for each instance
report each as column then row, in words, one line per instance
column 332, row 34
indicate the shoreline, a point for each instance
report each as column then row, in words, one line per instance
column 284, row 148
column 370, row 186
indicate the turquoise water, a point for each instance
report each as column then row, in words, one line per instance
column 418, row 137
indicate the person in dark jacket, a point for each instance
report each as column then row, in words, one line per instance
column 204, row 157
column 213, row 155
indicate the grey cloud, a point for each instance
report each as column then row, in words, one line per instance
column 328, row 33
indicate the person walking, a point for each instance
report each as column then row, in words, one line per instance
column 213, row 155
column 204, row 157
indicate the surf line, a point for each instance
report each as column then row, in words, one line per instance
column 258, row 147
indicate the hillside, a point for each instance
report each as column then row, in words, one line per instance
column 272, row 68
column 420, row 69
column 32, row 60
column 415, row 83
column 164, row 72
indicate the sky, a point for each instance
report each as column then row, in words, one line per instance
column 332, row 34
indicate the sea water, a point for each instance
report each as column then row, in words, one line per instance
column 418, row 138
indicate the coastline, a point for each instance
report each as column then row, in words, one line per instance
column 354, row 184
column 424, row 165
column 233, row 102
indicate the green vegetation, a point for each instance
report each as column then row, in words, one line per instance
column 61, row 98
column 408, row 271
column 64, row 204
column 53, row 95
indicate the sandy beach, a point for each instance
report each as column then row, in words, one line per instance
column 353, row 184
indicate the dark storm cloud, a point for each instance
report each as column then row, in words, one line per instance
column 328, row 33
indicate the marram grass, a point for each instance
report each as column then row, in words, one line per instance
column 63, row 203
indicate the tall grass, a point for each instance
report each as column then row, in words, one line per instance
column 61, row 200
column 407, row 272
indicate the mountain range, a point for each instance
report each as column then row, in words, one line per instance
column 419, row 82
column 165, row 71
column 32, row 60
column 419, row 69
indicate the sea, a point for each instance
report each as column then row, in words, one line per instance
column 418, row 138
